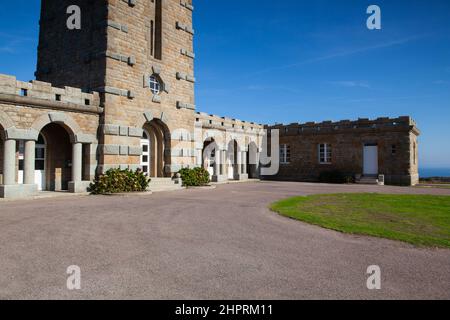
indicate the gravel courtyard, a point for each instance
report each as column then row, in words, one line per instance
column 218, row 243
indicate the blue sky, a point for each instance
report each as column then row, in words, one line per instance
column 296, row 61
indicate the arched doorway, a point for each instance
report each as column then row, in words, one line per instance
column 209, row 155
column 55, row 163
column 252, row 161
column 155, row 144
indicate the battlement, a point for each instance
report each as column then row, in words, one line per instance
column 213, row 121
column 385, row 123
column 37, row 90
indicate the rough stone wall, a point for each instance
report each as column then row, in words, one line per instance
column 72, row 57
column 223, row 130
column 348, row 139
column 23, row 114
column 129, row 102
column 41, row 99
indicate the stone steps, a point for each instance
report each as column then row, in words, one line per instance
column 164, row 184
column 369, row 181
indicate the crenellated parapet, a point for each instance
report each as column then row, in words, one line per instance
column 43, row 95
column 362, row 124
column 209, row 121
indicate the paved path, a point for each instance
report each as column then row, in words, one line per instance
column 204, row 244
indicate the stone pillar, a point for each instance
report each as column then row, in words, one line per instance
column 244, row 162
column 29, row 161
column 224, row 162
column 77, row 162
column 9, row 162
column 217, row 163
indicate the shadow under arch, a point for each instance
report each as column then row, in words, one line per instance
column 57, row 167
column 252, row 161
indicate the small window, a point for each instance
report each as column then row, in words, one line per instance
column 155, row 84
column 285, row 154
column 325, row 153
column 87, row 102
column 57, row 97
column 23, row 92
column 393, row 149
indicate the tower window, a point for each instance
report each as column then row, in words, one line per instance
column 155, row 84
column 155, row 31
column 394, row 150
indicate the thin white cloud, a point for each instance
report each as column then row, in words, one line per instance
column 441, row 82
column 350, row 84
column 340, row 54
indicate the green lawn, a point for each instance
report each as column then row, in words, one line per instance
column 422, row 220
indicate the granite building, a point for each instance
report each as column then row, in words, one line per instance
column 119, row 93
column 365, row 150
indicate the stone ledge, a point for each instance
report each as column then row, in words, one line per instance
column 79, row 187
column 18, row 191
column 185, row 4
column 181, row 26
column 47, row 104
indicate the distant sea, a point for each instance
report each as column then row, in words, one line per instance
column 434, row 172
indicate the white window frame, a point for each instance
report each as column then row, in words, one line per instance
column 285, row 150
column 154, row 84
column 325, row 151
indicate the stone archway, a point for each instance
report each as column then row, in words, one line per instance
column 64, row 120
column 58, row 157
column 252, row 161
column 233, row 161
column 209, row 153
column 157, row 141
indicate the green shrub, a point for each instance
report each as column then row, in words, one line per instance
column 196, row 177
column 336, row 176
column 118, row 181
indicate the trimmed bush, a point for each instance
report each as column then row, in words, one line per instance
column 118, row 181
column 196, row 177
column 336, row 176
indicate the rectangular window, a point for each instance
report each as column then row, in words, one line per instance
column 158, row 30
column 394, row 150
column 325, row 152
column 285, row 154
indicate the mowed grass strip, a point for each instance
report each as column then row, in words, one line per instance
column 422, row 220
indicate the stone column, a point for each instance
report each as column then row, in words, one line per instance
column 9, row 162
column 244, row 162
column 29, row 161
column 217, row 163
column 224, row 162
column 77, row 165
column 238, row 166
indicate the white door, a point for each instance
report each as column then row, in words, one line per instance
column 370, row 160
column 39, row 172
column 145, row 157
